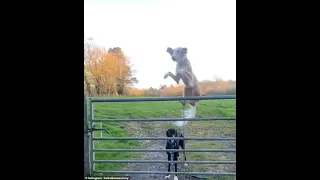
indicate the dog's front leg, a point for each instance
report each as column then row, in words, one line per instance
column 174, row 77
column 175, row 177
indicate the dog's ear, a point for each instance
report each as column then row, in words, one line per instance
column 170, row 50
column 167, row 133
column 184, row 50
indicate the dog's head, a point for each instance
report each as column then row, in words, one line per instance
column 178, row 54
column 171, row 133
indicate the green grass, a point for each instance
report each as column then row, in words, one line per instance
column 207, row 108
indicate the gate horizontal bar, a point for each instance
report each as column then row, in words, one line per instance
column 163, row 138
column 164, row 150
column 166, row 119
column 154, row 161
column 165, row 172
column 162, row 98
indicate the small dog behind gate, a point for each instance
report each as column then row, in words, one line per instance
column 174, row 144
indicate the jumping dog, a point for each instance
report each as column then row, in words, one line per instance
column 185, row 73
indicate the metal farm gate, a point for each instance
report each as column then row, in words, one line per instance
column 89, row 165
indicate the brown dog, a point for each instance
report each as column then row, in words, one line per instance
column 184, row 72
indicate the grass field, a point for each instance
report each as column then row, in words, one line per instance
column 207, row 108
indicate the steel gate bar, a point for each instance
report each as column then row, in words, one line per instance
column 164, row 150
column 162, row 98
column 156, row 161
column 167, row 119
column 86, row 139
column 92, row 136
column 165, row 172
column 163, row 138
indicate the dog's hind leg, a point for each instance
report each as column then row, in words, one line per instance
column 175, row 157
column 194, row 110
column 169, row 158
column 193, row 103
column 186, row 92
column 182, row 145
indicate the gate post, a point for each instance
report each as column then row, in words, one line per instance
column 86, row 140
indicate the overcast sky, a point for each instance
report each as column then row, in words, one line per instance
column 145, row 28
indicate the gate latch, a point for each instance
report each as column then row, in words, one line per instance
column 94, row 129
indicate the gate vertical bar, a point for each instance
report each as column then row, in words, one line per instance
column 101, row 135
column 86, row 139
column 92, row 136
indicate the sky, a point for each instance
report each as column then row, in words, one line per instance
column 144, row 29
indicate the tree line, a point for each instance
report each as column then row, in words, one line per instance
column 108, row 72
column 208, row 87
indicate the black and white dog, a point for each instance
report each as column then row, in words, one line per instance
column 174, row 144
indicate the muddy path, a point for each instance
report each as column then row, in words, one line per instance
column 158, row 129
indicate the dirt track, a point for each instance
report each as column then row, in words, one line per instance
column 158, row 129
